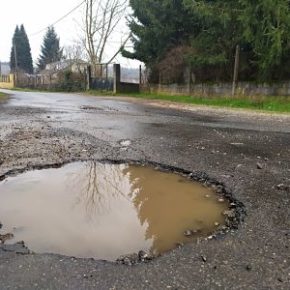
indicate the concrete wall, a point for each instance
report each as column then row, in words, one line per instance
column 122, row 87
column 126, row 88
column 7, row 81
column 223, row 89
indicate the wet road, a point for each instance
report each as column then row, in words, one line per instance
column 43, row 128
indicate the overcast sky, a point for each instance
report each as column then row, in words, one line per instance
column 38, row 14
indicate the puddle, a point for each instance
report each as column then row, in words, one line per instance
column 91, row 209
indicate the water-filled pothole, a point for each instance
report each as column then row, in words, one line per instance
column 101, row 210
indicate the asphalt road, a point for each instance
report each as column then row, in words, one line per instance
column 248, row 152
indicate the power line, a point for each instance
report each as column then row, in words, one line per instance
column 59, row 20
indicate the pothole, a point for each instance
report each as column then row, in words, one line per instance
column 102, row 210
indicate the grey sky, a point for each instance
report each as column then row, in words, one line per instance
column 38, row 14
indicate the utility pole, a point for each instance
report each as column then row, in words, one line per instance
column 16, row 64
column 140, row 75
column 15, row 56
column 236, row 70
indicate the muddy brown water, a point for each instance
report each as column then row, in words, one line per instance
column 90, row 209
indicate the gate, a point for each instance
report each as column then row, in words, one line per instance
column 102, row 84
column 101, row 77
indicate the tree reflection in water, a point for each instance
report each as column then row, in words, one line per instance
column 164, row 206
column 103, row 184
column 168, row 204
column 99, row 185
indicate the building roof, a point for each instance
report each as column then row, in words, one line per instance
column 62, row 65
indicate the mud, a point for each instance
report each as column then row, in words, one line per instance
column 39, row 129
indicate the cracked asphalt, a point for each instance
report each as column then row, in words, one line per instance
column 248, row 152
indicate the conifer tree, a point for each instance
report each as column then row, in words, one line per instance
column 21, row 51
column 266, row 25
column 211, row 30
column 13, row 54
column 50, row 49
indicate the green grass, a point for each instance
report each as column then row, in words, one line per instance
column 39, row 90
column 102, row 93
column 2, row 96
column 261, row 103
column 26, row 90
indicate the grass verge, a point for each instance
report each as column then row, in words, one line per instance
column 25, row 90
column 3, row 96
column 260, row 103
column 39, row 90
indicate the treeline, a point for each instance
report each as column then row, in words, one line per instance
column 21, row 58
column 173, row 36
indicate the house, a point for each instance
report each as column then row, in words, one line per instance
column 72, row 65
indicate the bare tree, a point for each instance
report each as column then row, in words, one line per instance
column 98, row 185
column 100, row 21
column 74, row 52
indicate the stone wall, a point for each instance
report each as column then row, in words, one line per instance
column 223, row 89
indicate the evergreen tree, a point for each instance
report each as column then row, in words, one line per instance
column 21, row 51
column 266, row 25
column 15, row 47
column 158, row 26
column 204, row 37
column 50, row 49
column 205, row 33
column 213, row 49
column 26, row 58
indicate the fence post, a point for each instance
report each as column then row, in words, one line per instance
column 140, row 75
column 117, row 77
column 188, row 78
column 236, row 70
column 107, row 72
column 88, row 77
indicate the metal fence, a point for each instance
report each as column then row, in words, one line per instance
column 102, row 77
